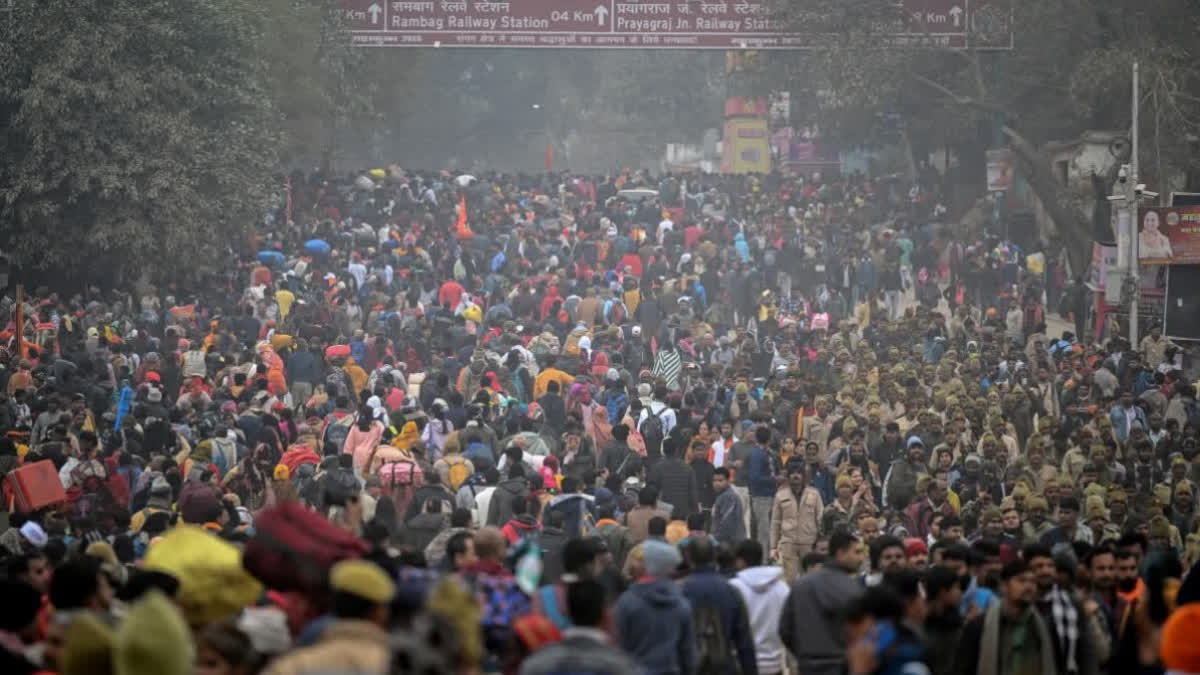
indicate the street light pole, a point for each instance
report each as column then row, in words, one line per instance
column 1127, row 222
column 1132, row 197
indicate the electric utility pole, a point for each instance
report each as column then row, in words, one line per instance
column 1130, row 195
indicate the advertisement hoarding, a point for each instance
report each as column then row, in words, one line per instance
column 745, row 147
column 1169, row 235
column 999, row 170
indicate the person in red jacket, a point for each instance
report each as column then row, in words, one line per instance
column 450, row 293
column 548, row 301
column 521, row 524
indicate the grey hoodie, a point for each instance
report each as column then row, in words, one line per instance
column 765, row 594
column 654, row 625
column 811, row 624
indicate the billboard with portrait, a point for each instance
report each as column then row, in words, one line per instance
column 1169, row 235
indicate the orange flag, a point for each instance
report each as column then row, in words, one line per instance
column 462, row 229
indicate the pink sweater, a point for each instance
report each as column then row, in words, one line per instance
column 360, row 443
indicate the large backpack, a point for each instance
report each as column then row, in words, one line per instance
column 337, row 379
column 633, row 356
column 335, row 434
column 298, row 455
column 480, row 455
column 401, row 480
column 194, row 363
column 1192, row 408
column 653, row 431
column 91, row 496
column 224, row 454
column 571, row 346
column 617, row 314
column 714, row 655
column 578, row 517
column 458, row 471
column 293, row 548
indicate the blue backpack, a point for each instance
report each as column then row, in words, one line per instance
column 615, row 405
column 480, row 455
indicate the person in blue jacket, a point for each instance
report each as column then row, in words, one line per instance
column 762, row 486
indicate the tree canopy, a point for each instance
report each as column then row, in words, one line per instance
column 1069, row 72
column 142, row 133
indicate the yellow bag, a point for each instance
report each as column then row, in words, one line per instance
column 1035, row 263
column 213, row 585
column 473, row 313
column 280, row 342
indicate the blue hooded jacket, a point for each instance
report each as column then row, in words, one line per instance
column 742, row 248
column 654, row 625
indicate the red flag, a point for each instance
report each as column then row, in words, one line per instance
column 462, row 230
column 549, row 156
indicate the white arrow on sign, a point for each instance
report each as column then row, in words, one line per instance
column 956, row 15
column 601, row 12
column 374, row 10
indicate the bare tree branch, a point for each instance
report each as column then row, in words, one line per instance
column 958, row 98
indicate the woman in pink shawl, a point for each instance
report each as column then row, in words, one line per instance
column 580, row 401
column 365, row 435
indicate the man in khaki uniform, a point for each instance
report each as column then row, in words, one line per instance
column 795, row 520
column 816, row 428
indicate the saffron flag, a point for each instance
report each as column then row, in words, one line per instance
column 462, row 229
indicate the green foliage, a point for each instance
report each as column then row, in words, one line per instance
column 1069, row 72
column 327, row 91
column 138, row 132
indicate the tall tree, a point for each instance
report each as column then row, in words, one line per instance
column 137, row 133
column 1069, row 72
column 330, row 94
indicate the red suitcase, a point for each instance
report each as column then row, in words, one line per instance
column 33, row 486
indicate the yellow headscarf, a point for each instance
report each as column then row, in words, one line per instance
column 408, row 436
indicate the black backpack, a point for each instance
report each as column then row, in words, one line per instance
column 653, row 431
column 336, row 433
column 1192, row 408
column 714, row 656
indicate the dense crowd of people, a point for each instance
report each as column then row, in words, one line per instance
column 536, row 424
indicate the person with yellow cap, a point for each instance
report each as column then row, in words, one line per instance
column 1160, row 533
column 1038, row 467
column 1176, row 474
column 816, row 427
column 1036, row 523
column 357, row 639
column 1095, row 515
column 1183, row 506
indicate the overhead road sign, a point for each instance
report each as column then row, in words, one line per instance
column 658, row 24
